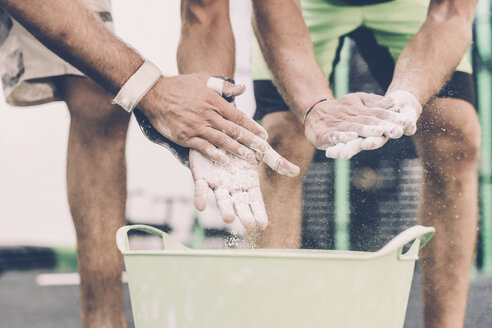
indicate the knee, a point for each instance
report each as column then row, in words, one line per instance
column 449, row 138
column 451, row 154
column 211, row 13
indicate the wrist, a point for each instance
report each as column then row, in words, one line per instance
column 137, row 86
column 310, row 108
column 302, row 104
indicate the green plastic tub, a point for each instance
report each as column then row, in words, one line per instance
column 181, row 287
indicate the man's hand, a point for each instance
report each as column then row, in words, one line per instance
column 406, row 104
column 184, row 110
column 236, row 184
column 383, row 109
column 236, row 188
column 355, row 115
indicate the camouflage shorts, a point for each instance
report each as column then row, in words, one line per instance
column 27, row 67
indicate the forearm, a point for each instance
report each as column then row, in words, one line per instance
column 287, row 48
column 207, row 41
column 70, row 30
column 432, row 55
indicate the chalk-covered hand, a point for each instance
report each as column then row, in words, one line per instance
column 354, row 116
column 406, row 104
column 235, row 185
column 186, row 111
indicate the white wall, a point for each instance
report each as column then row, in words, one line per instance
column 33, row 206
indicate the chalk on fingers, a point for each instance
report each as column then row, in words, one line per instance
column 334, row 151
column 373, row 143
column 351, row 148
column 201, row 189
column 258, row 207
column 337, row 137
column 279, row 164
column 394, row 131
column 371, row 131
column 243, row 211
column 224, row 203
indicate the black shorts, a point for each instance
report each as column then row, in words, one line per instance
column 381, row 66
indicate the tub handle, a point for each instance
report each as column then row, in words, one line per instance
column 124, row 246
column 420, row 235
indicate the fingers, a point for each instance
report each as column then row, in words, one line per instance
column 372, row 100
column 241, row 205
column 228, row 111
column 279, row 164
column 245, row 137
column 223, row 141
column 336, row 137
column 411, row 114
column 411, row 129
column 263, row 149
column 390, row 116
column 201, row 189
column 251, row 140
column 224, row 203
column 383, row 108
column 248, row 206
column 374, row 127
column 334, row 151
column 208, row 150
column 225, row 88
column 372, row 143
column 389, row 129
column 348, row 131
column 234, row 115
column 344, row 151
column 258, row 207
column 353, row 147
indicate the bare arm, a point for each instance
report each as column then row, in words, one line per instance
column 66, row 27
column 181, row 108
column 432, row 55
column 286, row 45
column 288, row 50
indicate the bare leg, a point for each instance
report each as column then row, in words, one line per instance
column 207, row 42
column 282, row 195
column 96, row 182
column 448, row 144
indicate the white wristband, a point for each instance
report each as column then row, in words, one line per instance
column 137, row 86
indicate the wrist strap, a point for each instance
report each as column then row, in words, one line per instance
column 137, row 86
column 311, row 108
